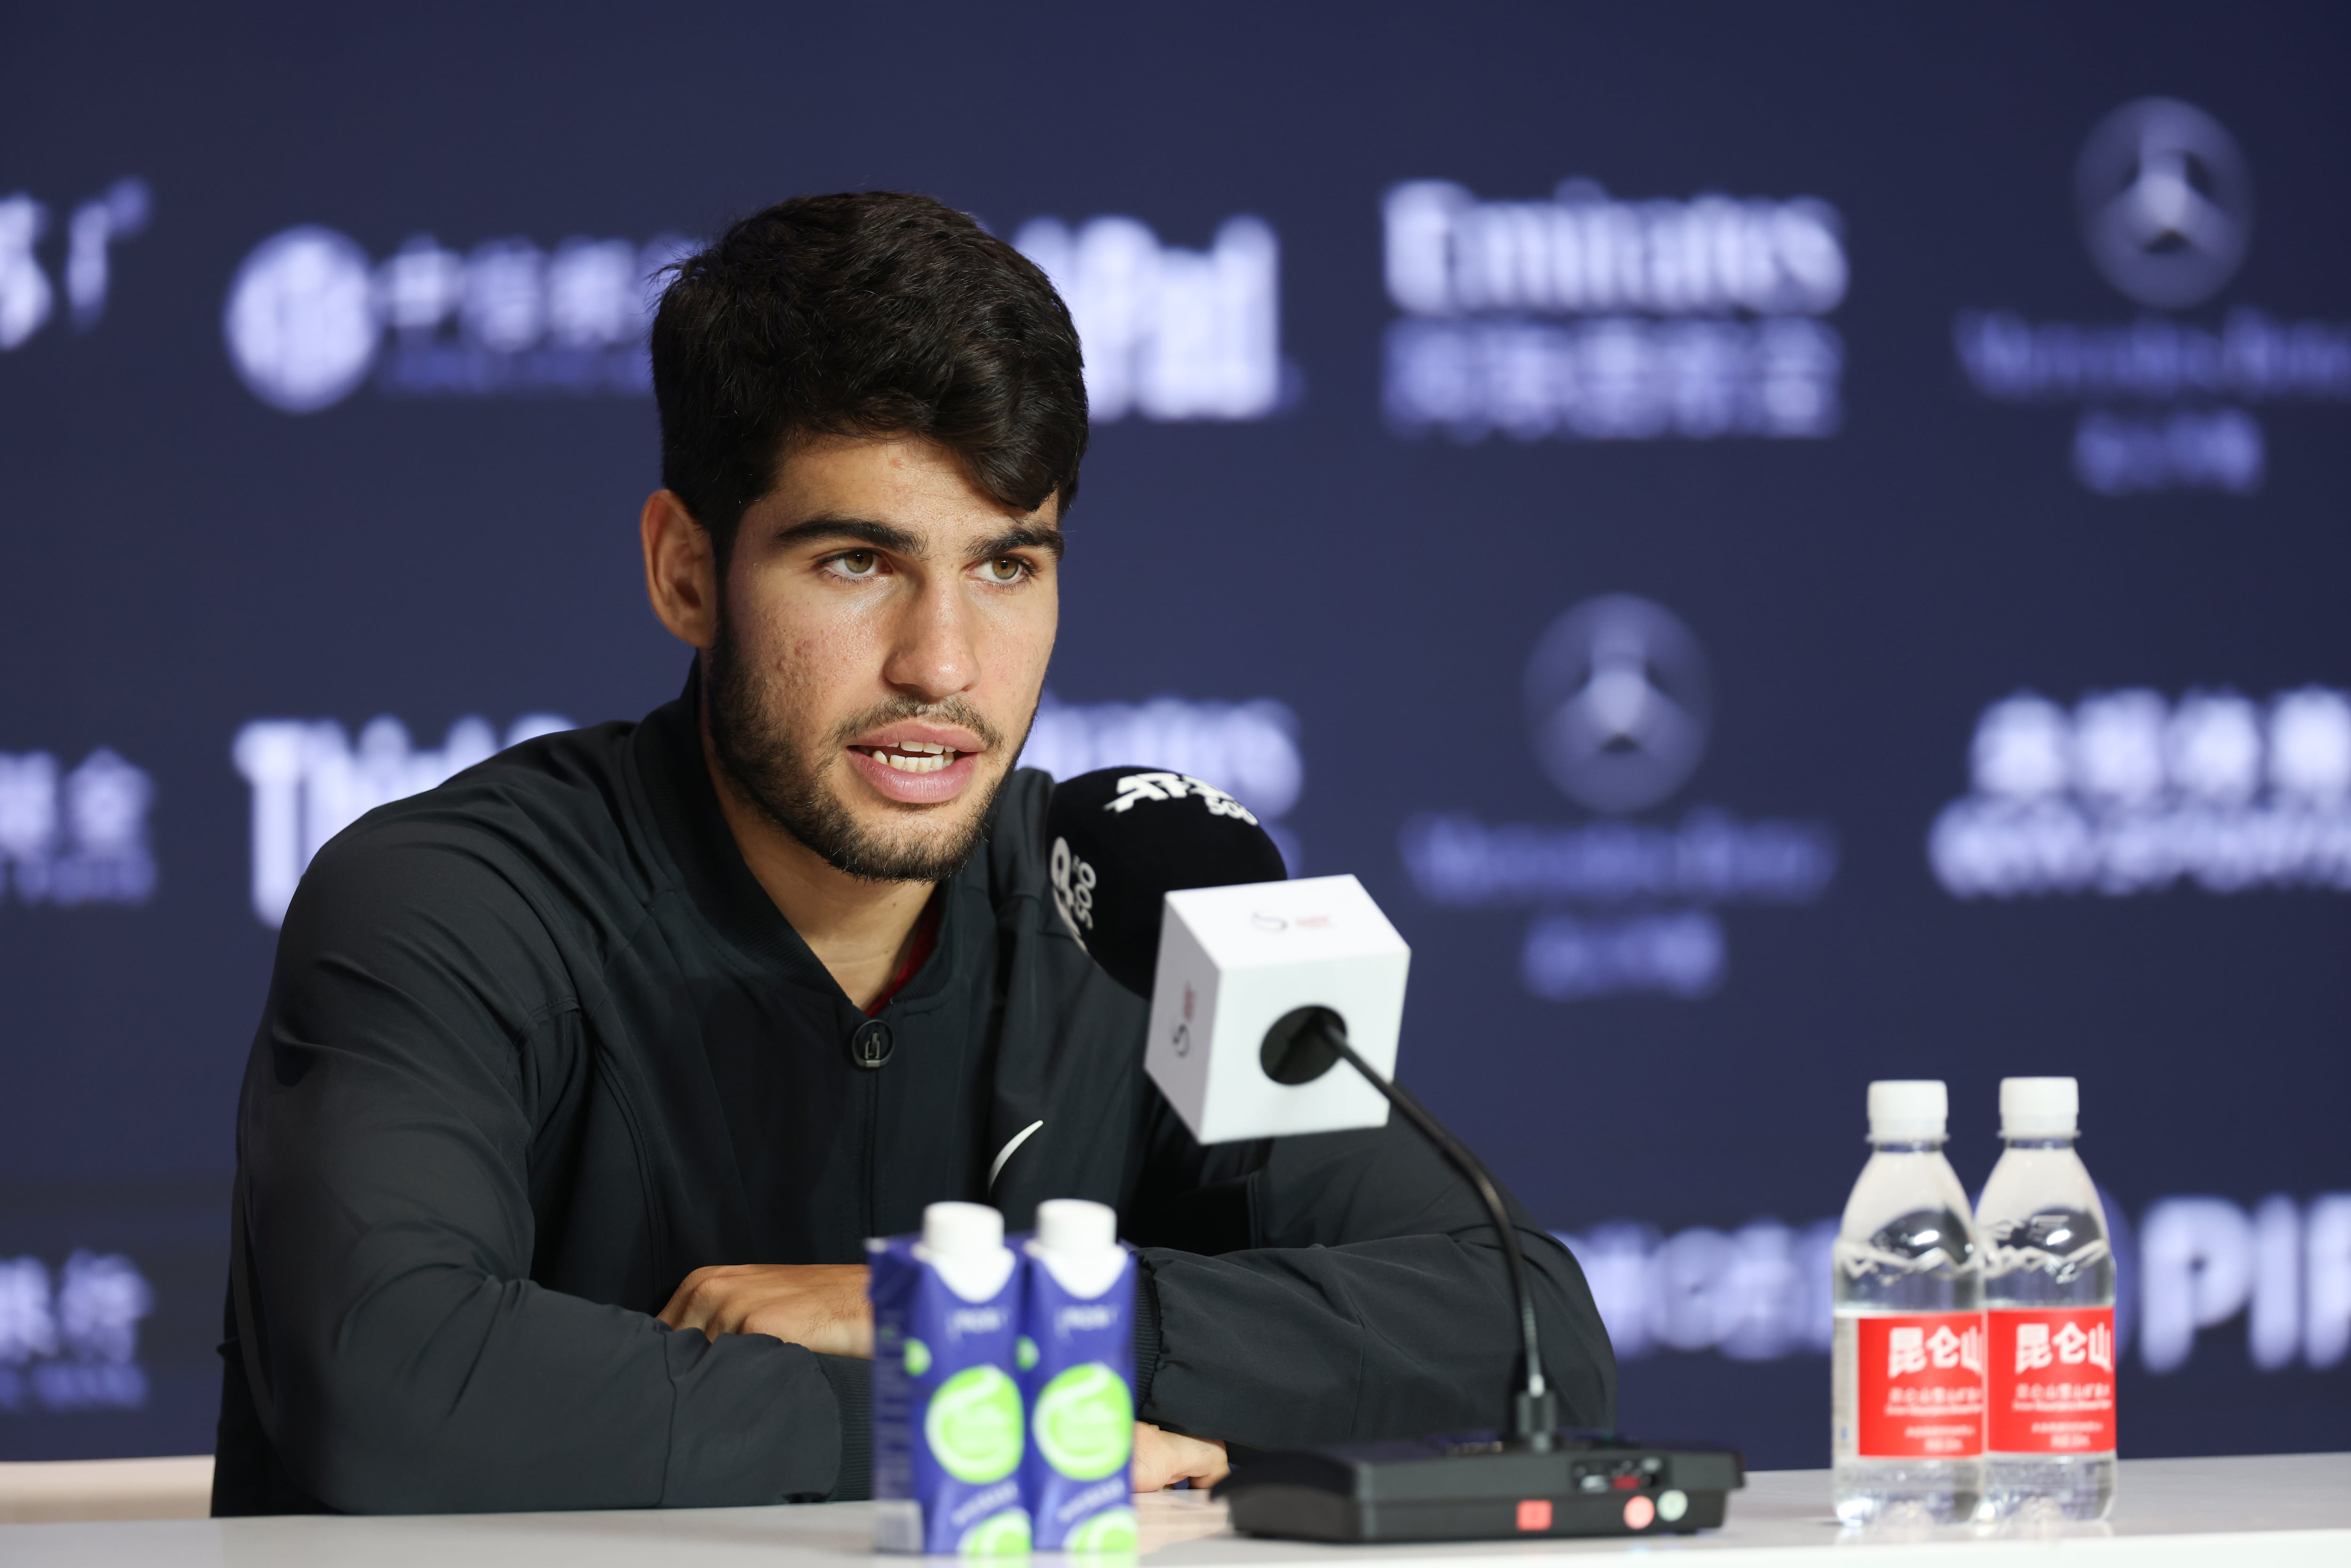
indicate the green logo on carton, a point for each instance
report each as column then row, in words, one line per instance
column 1085, row 1422
column 1024, row 1352
column 1002, row 1534
column 973, row 1428
column 1111, row 1533
column 918, row 1358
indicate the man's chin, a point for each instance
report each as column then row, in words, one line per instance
column 886, row 838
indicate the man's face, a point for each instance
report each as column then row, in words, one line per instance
column 884, row 632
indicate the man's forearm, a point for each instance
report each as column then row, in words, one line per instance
column 1278, row 1347
column 439, row 1392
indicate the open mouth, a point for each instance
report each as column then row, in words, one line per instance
column 912, row 755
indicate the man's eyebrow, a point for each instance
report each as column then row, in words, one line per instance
column 864, row 530
column 1022, row 535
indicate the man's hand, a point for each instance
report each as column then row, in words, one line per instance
column 819, row 1305
column 1163, row 1458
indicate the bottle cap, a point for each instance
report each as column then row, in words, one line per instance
column 1906, row 1110
column 2039, row 1107
column 962, row 1229
column 1076, row 1225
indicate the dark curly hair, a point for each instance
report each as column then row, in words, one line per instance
column 867, row 313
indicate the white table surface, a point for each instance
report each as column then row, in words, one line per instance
column 2288, row 1511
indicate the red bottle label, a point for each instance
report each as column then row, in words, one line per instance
column 2053, row 1380
column 1919, row 1378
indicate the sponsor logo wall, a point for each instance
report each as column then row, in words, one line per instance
column 1171, row 334
column 2165, row 401
column 1619, row 704
column 310, row 781
column 2280, row 1272
column 31, row 292
column 1585, row 317
column 310, row 315
column 1800, row 598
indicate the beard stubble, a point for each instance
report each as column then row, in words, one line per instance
column 788, row 786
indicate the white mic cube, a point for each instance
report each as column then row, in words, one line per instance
column 1234, row 961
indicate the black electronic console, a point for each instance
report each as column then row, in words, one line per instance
column 1478, row 1488
column 1125, row 840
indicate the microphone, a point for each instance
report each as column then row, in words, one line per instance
column 1258, row 986
column 1134, row 851
column 1111, row 867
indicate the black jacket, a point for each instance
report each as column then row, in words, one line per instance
column 538, row 1045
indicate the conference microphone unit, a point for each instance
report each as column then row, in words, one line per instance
column 1258, row 986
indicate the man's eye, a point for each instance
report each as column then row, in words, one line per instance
column 1006, row 569
column 856, row 563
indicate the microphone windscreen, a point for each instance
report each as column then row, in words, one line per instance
column 1125, row 838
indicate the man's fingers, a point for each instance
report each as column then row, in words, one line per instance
column 710, row 1299
column 690, row 1305
column 1204, row 1463
column 1163, row 1457
column 821, row 1305
column 1149, row 1471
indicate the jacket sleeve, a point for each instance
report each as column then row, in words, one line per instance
column 1343, row 1287
column 420, row 1018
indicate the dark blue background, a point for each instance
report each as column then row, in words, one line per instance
column 181, row 559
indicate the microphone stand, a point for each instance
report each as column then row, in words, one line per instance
column 1534, row 1408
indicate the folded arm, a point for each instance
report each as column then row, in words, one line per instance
column 420, row 1029
column 1344, row 1286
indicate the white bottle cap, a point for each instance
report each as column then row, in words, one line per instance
column 962, row 1229
column 2039, row 1107
column 1076, row 1225
column 1908, row 1110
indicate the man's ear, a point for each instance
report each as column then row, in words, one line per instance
column 681, row 570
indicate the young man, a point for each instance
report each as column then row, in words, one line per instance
column 583, row 1076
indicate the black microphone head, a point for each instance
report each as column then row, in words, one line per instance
column 1125, row 838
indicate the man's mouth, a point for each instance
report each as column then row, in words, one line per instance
column 913, row 755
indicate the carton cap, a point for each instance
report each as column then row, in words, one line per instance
column 962, row 1229
column 1076, row 1225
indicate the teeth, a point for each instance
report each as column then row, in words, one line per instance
column 923, row 746
column 929, row 764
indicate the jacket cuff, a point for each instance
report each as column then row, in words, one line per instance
column 1146, row 1333
column 852, row 1390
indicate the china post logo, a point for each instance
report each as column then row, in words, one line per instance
column 310, row 316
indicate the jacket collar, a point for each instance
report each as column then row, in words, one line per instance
column 712, row 873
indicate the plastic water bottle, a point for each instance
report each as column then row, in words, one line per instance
column 1908, row 1361
column 2049, row 1298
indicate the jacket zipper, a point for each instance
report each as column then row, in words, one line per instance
column 872, row 1135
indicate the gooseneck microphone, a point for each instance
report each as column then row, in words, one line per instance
column 1125, row 838
column 1258, row 986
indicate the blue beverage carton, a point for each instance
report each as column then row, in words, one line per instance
column 946, row 1397
column 1077, row 1362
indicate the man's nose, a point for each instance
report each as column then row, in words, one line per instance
column 936, row 653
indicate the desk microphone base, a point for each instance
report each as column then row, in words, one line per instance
column 1473, row 1487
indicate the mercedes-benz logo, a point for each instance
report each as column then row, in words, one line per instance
column 2164, row 200
column 1619, row 702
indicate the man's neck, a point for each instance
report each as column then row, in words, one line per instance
column 858, row 930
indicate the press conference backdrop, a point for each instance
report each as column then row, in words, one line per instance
column 1784, row 544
